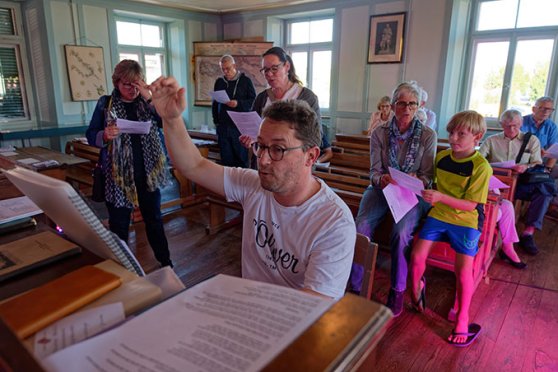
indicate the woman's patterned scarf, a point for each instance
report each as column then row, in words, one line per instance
column 122, row 192
column 414, row 133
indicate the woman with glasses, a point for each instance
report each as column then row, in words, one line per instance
column 133, row 161
column 406, row 145
column 284, row 84
column 382, row 116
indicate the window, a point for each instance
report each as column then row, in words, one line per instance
column 13, row 102
column 310, row 44
column 144, row 42
column 512, row 46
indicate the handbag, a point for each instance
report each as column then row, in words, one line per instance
column 98, row 191
column 535, row 175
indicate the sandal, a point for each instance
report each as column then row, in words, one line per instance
column 420, row 304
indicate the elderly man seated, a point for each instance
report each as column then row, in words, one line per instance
column 506, row 146
column 297, row 232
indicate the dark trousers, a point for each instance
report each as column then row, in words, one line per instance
column 150, row 207
column 539, row 195
column 233, row 154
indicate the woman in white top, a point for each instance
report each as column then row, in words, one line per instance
column 382, row 116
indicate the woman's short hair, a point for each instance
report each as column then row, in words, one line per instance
column 383, row 100
column 408, row 86
column 471, row 120
column 128, row 70
column 300, row 117
column 284, row 57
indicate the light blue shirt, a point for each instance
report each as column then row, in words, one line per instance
column 547, row 133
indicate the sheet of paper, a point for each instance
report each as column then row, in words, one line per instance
column 8, row 153
column 495, row 184
column 5, row 149
column 28, row 161
column 503, row 164
column 220, row 96
column 224, row 323
column 16, row 208
column 133, row 127
column 248, row 123
column 400, row 200
column 76, row 328
column 404, row 180
column 552, row 151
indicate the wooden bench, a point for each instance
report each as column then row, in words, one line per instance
column 81, row 176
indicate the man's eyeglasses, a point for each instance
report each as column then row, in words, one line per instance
column 273, row 69
column 545, row 109
column 275, row 152
column 402, row 104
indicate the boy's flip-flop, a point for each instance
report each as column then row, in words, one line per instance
column 474, row 330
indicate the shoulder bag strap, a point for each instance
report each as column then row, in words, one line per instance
column 522, row 149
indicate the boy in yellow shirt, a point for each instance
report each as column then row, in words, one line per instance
column 462, row 175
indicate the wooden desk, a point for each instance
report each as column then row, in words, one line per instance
column 41, row 154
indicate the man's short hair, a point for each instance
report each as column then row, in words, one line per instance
column 544, row 99
column 300, row 117
column 471, row 120
column 409, row 86
column 225, row 58
column 510, row 114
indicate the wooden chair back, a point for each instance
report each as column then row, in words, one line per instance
column 366, row 253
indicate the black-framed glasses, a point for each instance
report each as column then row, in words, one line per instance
column 275, row 152
column 402, row 104
column 273, row 69
column 545, row 109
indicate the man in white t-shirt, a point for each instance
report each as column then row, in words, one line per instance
column 297, row 232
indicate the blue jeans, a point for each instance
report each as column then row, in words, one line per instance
column 233, row 154
column 150, row 207
column 371, row 212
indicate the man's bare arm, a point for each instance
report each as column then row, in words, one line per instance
column 169, row 100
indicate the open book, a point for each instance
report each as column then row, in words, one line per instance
column 60, row 202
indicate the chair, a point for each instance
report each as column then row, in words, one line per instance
column 365, row 255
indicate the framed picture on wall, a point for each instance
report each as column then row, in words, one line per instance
column 86, row 72
column 385, row 43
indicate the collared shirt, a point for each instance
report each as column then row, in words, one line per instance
column 547, row 132
column 499, row 148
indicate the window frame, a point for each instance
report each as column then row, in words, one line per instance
column 512, row 36
column 17, row 42
column 310, row 48
column 141, row 50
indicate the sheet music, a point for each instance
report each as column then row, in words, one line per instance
column 495, row 184
column 248, row 123
column 220, row 96
column 16, row 208
column 404, row 180
column 552, row 151
column 223, row 324
column 133, row 127
column 503, row 164
column 400, row 200
column 60, row 202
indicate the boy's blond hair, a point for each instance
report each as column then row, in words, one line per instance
column 471, row 120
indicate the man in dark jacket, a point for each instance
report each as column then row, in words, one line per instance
column 241, row 92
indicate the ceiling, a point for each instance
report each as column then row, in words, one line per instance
column 222, row 6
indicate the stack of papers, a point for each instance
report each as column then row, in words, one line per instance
column 401, row 198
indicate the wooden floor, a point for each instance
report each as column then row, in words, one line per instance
column 517, row 309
